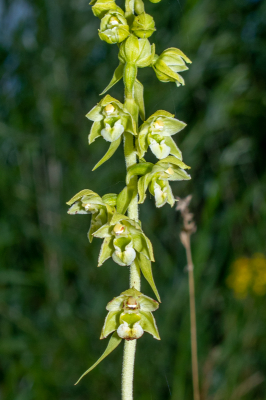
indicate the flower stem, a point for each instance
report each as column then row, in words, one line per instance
column 134, row 280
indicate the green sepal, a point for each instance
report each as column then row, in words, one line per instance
column 143, row 183
column 111, row 323
column 148, row 324
column 84, row 192
column 139, row 99
column 175, row 161
column 106, row 250
column 112, row 149
column 118, row 74
column 125, row 197
column 143, row 245
column 95, row 131
column 174, row 150
column 113, row 343
column 139, row 169
column 145, row 267
column 161, row 113
column 110, row 199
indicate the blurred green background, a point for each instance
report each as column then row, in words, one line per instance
column 52, row 296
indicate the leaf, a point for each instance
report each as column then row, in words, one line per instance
column 106, row 251
column 124, row 198
column 118, row 74
column 84, row 192
column 138, row 93
column 113, row 147
column 145, row 266
column 139, row 169
column 148, row 324
column 113, row 343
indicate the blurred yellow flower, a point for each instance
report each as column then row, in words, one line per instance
column 248, row 275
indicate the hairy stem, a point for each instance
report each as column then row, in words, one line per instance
column 134, row 280
column 193, row 325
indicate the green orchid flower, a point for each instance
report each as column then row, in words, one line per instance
column 156, row 177
column 114, row 27
column 89, row 202
column 168, row 64
column 123, row 239
column 143, row 25
column 130, row 315
column 111, row 120
column 156, row 133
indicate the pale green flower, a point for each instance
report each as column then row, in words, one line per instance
column 88, row 202
column 130, row 314
column 156, row 177
column 101, row 7
column 156, row 133
column 168, row 64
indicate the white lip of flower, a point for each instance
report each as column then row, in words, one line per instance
column 170, row 171
column 125, row 332
column 159, row 125
column 160, row 150
column 125, row 257
column 118, row 229
column 109, row 109
column 107, row 132
column 160, row 195
column 113, row 21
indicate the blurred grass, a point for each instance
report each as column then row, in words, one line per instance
column 52, row 296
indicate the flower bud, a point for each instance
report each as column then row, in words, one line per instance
column 114, row 27
column 136, row 51
column 143, row 25
column 168, row 64
column 139, row 6
column 101, row 7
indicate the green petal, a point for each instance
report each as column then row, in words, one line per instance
column 143, row 183
column 106, row 250
column 160, row 113
column 113, row 343
column 170, row 197
column 149, row 325
column 103, row 232
column 145, row 267
column 117, row 303
column 110, row 199
column 79, row 195
column 147, row 303
column 173, row 160
column 112, row 149
column 111, row 323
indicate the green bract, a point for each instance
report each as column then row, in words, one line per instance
column 130, row 314
column 168, row 64
column 101, row 7
column 138, row 52
column 143, row 25
column 123, row 239
column 88, row 202
column 156, row 177
column 114, row 27
column 156, row 133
